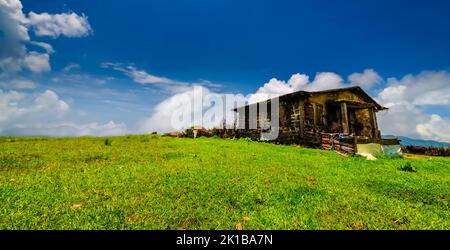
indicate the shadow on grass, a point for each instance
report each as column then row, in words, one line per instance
column 408, row 194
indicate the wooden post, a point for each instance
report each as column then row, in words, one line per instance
column 344, row 118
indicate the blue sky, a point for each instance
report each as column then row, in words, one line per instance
column 245, row 43
column 237, row 47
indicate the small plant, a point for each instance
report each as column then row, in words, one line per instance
column 247, row 139
column 408, row 168
column 108, row 142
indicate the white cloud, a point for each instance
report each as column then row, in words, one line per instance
column 19, row 84
column 13, row 107
column 80, row 79
column 60, row 129
column 367, row 79
column 67, row 24
column 325, row 80
column 13, row 25
column 13, row 21
column 47, row 47
column 426, row 88
column 436, row 128
column 37, row 62
column 145, row 78
column 9, row 109
column 297, row 82
column 14, row 39
column 139, row 76
column 43, row 114
column 407, row 100
column 209, row 84
column 70, row 67
column 401, row 119
column 50, row 99
column 183, row 104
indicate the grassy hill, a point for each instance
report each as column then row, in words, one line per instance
column 153, row 182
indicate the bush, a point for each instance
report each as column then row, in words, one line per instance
column 108, row 142
column 408, row 168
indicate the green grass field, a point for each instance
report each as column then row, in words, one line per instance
column 154, row 182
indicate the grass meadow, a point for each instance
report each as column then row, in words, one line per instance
column 155, row 182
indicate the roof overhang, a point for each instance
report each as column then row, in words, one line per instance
column 355, row 89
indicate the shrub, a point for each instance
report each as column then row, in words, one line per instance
column 408, row 168
column 108, row 142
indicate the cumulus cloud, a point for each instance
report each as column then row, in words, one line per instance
column 326, row 80
column 71, row 129
column 14, row 39
column 9, row 109
column 408, row 100
column 13, row 107
column 50, row 99
column 67, row 24
column 426, row 88
column 436, row 128
column 13, row 19
column 44, row 114
column 177, row 112
column 367, row 79
column 297, row 82
column 37, row 62
column 13, row 25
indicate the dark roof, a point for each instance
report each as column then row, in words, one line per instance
column 357, row 89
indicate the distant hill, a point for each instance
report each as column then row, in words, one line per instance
column 406, row 141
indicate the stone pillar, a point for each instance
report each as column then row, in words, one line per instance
column 314, row 115
column 344, row 118
column 301, row 108
column 373, row 119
